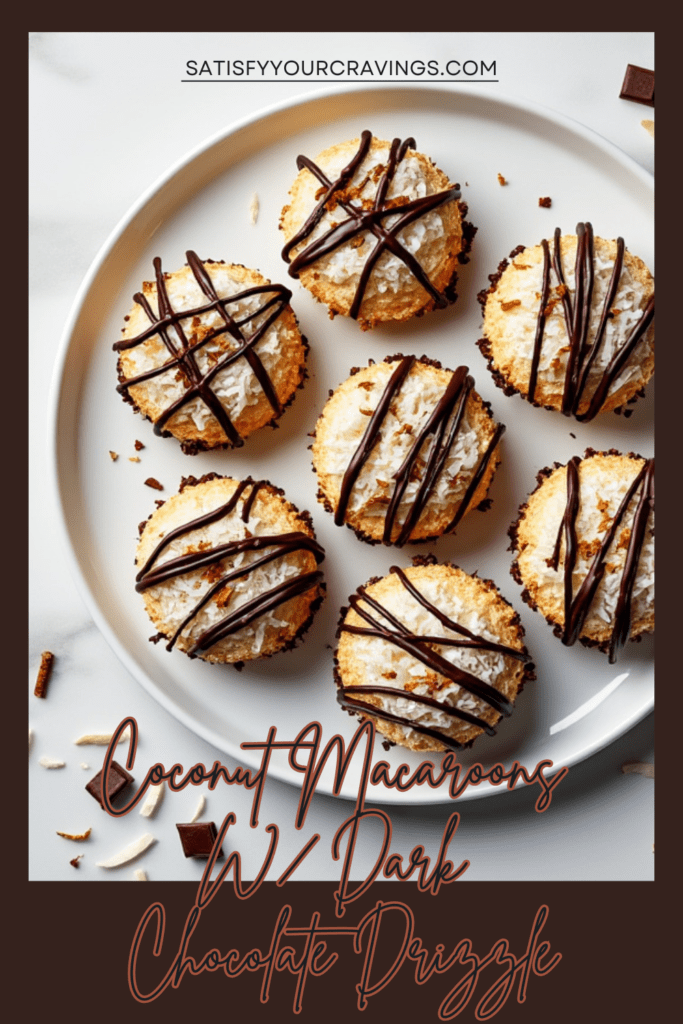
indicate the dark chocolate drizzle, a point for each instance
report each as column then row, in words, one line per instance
column 450, row 407
column 279, row 545
column 577, row 316
column 576, row 608
column 420, row 647
column 360, row 219
column 183, row 353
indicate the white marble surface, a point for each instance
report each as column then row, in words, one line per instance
column 109, row 114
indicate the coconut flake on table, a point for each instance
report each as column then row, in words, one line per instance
column 129, row 852
column 152, row 800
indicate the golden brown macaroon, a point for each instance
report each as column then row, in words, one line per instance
column 375, row 231
column 432, row 655
column 210, row 353
column 546, row 341
column 404, row 449
column 584, row 544
column 228, row 570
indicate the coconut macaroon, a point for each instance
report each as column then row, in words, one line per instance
column 433, row 656
column 569, row 324
column 210, row 353
column 404, row 449
column 375, row 231
column 228, row 570
column 584, row 546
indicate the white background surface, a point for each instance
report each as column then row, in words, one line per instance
column 109, row 114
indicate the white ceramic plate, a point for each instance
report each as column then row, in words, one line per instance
column 579, row 702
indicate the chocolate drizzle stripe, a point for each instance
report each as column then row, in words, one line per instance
column 370, row 436
column 253, row 609
column 183, row 353
column 576, row 608
column 457, row 391
column 387, row 716
column 477, row 641
column 540, row 323
column 577, row 316
column 360, row 220
column 420, row 648
column 281, row 544
column 450, row 407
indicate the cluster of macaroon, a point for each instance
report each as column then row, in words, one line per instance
column 403, row 449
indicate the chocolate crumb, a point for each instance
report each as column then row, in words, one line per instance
column 139, row 446
column 151, row 482
column 156, row 638
column 46, row 663
column 572, row 435
column 545, row 201
column 74, row 862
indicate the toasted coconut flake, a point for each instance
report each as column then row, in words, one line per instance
column 254, row 208
column 638, row 768
column 152, row 482
column 113, row 456
column 152, row 800
column 51, row 762
column 502, row 180
column 100, row 739
column 649, row 127
column 199, row 810
column 84, row 766
column 129, row 852
column 78, row 837
column 46, row 662
column 140, row 875
column 133, row 458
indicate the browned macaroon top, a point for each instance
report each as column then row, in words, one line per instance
column 390, row 637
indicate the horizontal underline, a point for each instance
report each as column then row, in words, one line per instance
column 332, row 81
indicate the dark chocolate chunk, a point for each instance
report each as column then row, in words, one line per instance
column 198, row 838
column 118, row 779
column 639, row 86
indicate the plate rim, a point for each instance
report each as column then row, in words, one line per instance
column 98, row 266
